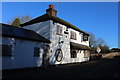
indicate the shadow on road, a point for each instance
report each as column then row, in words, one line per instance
column 97, row 69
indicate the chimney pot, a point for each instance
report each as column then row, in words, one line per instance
column 51, row 10
column 51, row 6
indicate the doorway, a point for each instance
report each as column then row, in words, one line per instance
column 45, row 61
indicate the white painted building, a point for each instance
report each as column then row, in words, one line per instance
column 21, row 48
column 62, row 43
column 68, row 44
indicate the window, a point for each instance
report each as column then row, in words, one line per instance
column 59, row 30
column 85, row 37
column 73, row 35
column 86, row 54
column 6, row 50
column 66, row 28
column 73, row 54
column 36, row 51
column 59, row 55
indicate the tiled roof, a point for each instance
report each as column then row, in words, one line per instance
column 11, row 31
column 79, row 46
column 48, row 16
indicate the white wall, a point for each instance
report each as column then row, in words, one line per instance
column 65, row 46
column 42, row 28
column 48, row 30
column 79, row 38
column 23, row 51
column 55, row 39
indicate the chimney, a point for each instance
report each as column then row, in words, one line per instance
column 51, row 10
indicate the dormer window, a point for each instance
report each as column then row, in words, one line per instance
column 85, row 37
column 59, row 30
column 73, row 35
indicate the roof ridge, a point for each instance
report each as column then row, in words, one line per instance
column 68, row 23
column 48, row 16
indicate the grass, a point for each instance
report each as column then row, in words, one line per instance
column 111, row 55
column 106, row 55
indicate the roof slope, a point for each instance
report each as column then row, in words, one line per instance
column 79, row 46
column 11, row 31
column 48, row 16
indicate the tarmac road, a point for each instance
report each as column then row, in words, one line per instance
column 100, row 69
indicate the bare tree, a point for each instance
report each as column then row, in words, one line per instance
column 98, row 42
column 93, row 40
column 101, row 42
column 24, row 19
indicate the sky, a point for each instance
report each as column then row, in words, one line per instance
column 99, row 18
column 60, row 0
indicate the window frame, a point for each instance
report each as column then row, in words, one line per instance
column 73, row 53
column 59, row 30
column 86, row 53
column 73, row 35
column 4, row 50
column 36, row 53
column 85, row 37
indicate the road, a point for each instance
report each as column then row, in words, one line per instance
column 100, row 69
